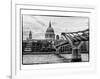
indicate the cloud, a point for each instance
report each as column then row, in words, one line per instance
column 38, row 21
column 39, row 24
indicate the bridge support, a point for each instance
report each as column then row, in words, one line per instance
column 76, row 55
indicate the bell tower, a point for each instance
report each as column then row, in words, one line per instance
column 30, row 35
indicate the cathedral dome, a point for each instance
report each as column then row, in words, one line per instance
column 50, row 29
column 50, row 32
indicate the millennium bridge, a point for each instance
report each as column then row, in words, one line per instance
column 75, row 39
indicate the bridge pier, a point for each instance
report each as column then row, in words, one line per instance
column 76, row 55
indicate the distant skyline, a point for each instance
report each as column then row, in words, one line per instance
column 39, row 24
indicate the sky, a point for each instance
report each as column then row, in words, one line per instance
column 39, row 24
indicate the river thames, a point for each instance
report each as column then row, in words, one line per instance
column 50, row 58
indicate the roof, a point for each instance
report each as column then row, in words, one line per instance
column 50, row 29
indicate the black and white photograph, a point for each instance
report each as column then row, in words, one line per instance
column 51, row 39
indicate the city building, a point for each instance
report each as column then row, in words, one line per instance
column 57, row 37
column 30, row 35
column 50, row 34
column 47, row 45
